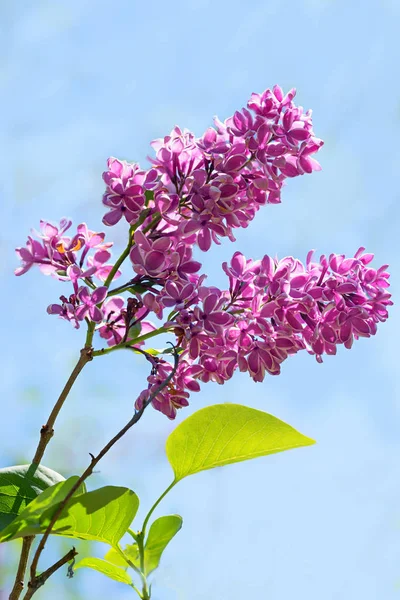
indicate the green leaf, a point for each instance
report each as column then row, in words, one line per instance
column 131, row 552
column 222, row 434
column 103, row 515
column 157, row 351
column 161, row 533
column 153, row 351
column 135, row 330
column 19, row 485
column 28, row 521
column 98, row 564
column 115, row 558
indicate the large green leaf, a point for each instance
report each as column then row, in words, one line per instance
column 19, row 485
column 106, row 568
column 28, row 521
column 103, row 515
column 227, row 433
column 161, row 533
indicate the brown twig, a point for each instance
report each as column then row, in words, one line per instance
column 46, row 433
column 41, row 579
column 94, row 461
column 23, row 561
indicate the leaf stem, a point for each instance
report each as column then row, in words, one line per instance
column 133, row 534
column 145, row 588
column 157, row 502
column 136, row 569
column 127, row 560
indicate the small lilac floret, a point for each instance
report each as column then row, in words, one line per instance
column 89, row 303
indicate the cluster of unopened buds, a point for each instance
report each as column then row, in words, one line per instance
column 197, row 191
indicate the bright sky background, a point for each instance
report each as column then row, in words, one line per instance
column 83, row 80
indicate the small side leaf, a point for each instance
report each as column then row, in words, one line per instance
column 111, row 571
column 131, row 552
column 115, row 558
column 161, row 533
column 222, row 434
column 28, row 521
column 19, row 485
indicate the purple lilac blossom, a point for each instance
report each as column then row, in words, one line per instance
column 197, row 191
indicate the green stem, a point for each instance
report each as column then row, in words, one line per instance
column 90, row 334
column 140, row 571
column 133, row 534
column 156, row 219
column 89, row 283
column 136, row 590
column 157, row 502
column 145, row 589
column 127, row 560
column 140, row 541
column 120, row 260
column 141, row 338
column 127, row 250
column 130, row 563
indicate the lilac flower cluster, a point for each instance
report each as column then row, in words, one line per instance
column 202, row 189
column 271, row 310
column 74, row 259
column 197, row 191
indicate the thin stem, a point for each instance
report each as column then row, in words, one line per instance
column 47, row 431
column 139, row 541
column 127, row 250
column 43, row 577
column 23, row 561
column 136, row 590
column 156, row 219
column 145, row 589
column 120, row 260
column 133, row 566
column 89, row 283
column 141, row 338
column 133, row 534
column 140, row 544
column 157, row 502
column 90, row 334
column 121, row 288
column 93, row 463
column 127, row 560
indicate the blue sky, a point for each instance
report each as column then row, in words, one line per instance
column 84, row 80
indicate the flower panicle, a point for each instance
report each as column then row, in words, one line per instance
column 196, row 192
